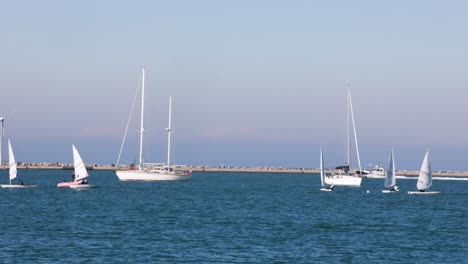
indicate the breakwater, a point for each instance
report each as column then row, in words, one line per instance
column 235, row 169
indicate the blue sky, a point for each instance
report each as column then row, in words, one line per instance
column 254, row 83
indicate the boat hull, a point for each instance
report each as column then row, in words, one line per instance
column 82, row 186
column 134, row 175
column 326, row 190
column 418, row 192
column 375, row 176
column 343, row 180
column 17, row 186
column 68, row 184
column 388, row 191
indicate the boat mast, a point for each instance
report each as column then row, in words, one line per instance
column 169, row 130
column 2, row 133
column 322, row 172
column 10, row 155
column 348, row 145
column 354, row 128
column 142, row 114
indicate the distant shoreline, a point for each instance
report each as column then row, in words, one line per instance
column 216, row 169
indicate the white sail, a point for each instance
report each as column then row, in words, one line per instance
column 425, row 175
column 80, row 169
column 390, row 180
column 322, row 172
column 11, row 162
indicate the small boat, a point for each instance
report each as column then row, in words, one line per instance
column 344, row 178
column 80, row 174
column 390, row 181
column 325, row 187
column 376, row 172
column 424, row 185
column 146, row 172
column 13, row 171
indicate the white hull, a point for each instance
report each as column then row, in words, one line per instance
column 82, row 186
column 326, row 190
column 343, row 180
column 17, row 186
column 375, row 176
column 151, row 176
column 388, row 191
column 418, row 192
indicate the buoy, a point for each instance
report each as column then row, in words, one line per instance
column 368, row 191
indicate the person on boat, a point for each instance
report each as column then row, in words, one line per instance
column 85, row 181
column 132, row 166
column 20, row 182
column 331, row 187
column 73, row 176
column 394, row 188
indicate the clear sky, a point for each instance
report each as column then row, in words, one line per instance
column 254, row 83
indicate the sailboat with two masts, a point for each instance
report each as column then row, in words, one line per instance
column 161, row 172
column 13, row 171
column 390, row 185
column 345, row 178
column 424, row 184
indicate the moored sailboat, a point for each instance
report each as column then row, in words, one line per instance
column 13, row 171
column 344, row 177
column 144, row 172
column 390, row 185
column 424, row 184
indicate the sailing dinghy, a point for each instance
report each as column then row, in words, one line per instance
column 79, row 181
column 424, row 184
column 325, row 187
column 390, row 181
column 13, row 171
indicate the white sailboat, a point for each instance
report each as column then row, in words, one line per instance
column 390, row 180
column 345, row 178
column 165, row 172
column 424, row 184
column 13, row 171
column 325, row 187
column 80, row 174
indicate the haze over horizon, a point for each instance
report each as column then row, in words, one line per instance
column 254, row 83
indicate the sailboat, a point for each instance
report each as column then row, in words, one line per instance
column 390, row 181
column 424, row 184
column 162, row 172
column 13, row 171
column 80, row 174
column 325, row 188
column 345, row 178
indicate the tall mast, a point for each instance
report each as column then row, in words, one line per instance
column 169, row 133
column 354, row 128
column 142, row 114
column 2, row 133
column 348, row 145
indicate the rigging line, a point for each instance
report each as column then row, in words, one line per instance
column 128, row 122
column 354, row 128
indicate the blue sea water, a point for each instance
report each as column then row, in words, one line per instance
column 229, row 218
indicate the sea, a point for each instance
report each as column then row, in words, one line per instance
column 230, row 218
